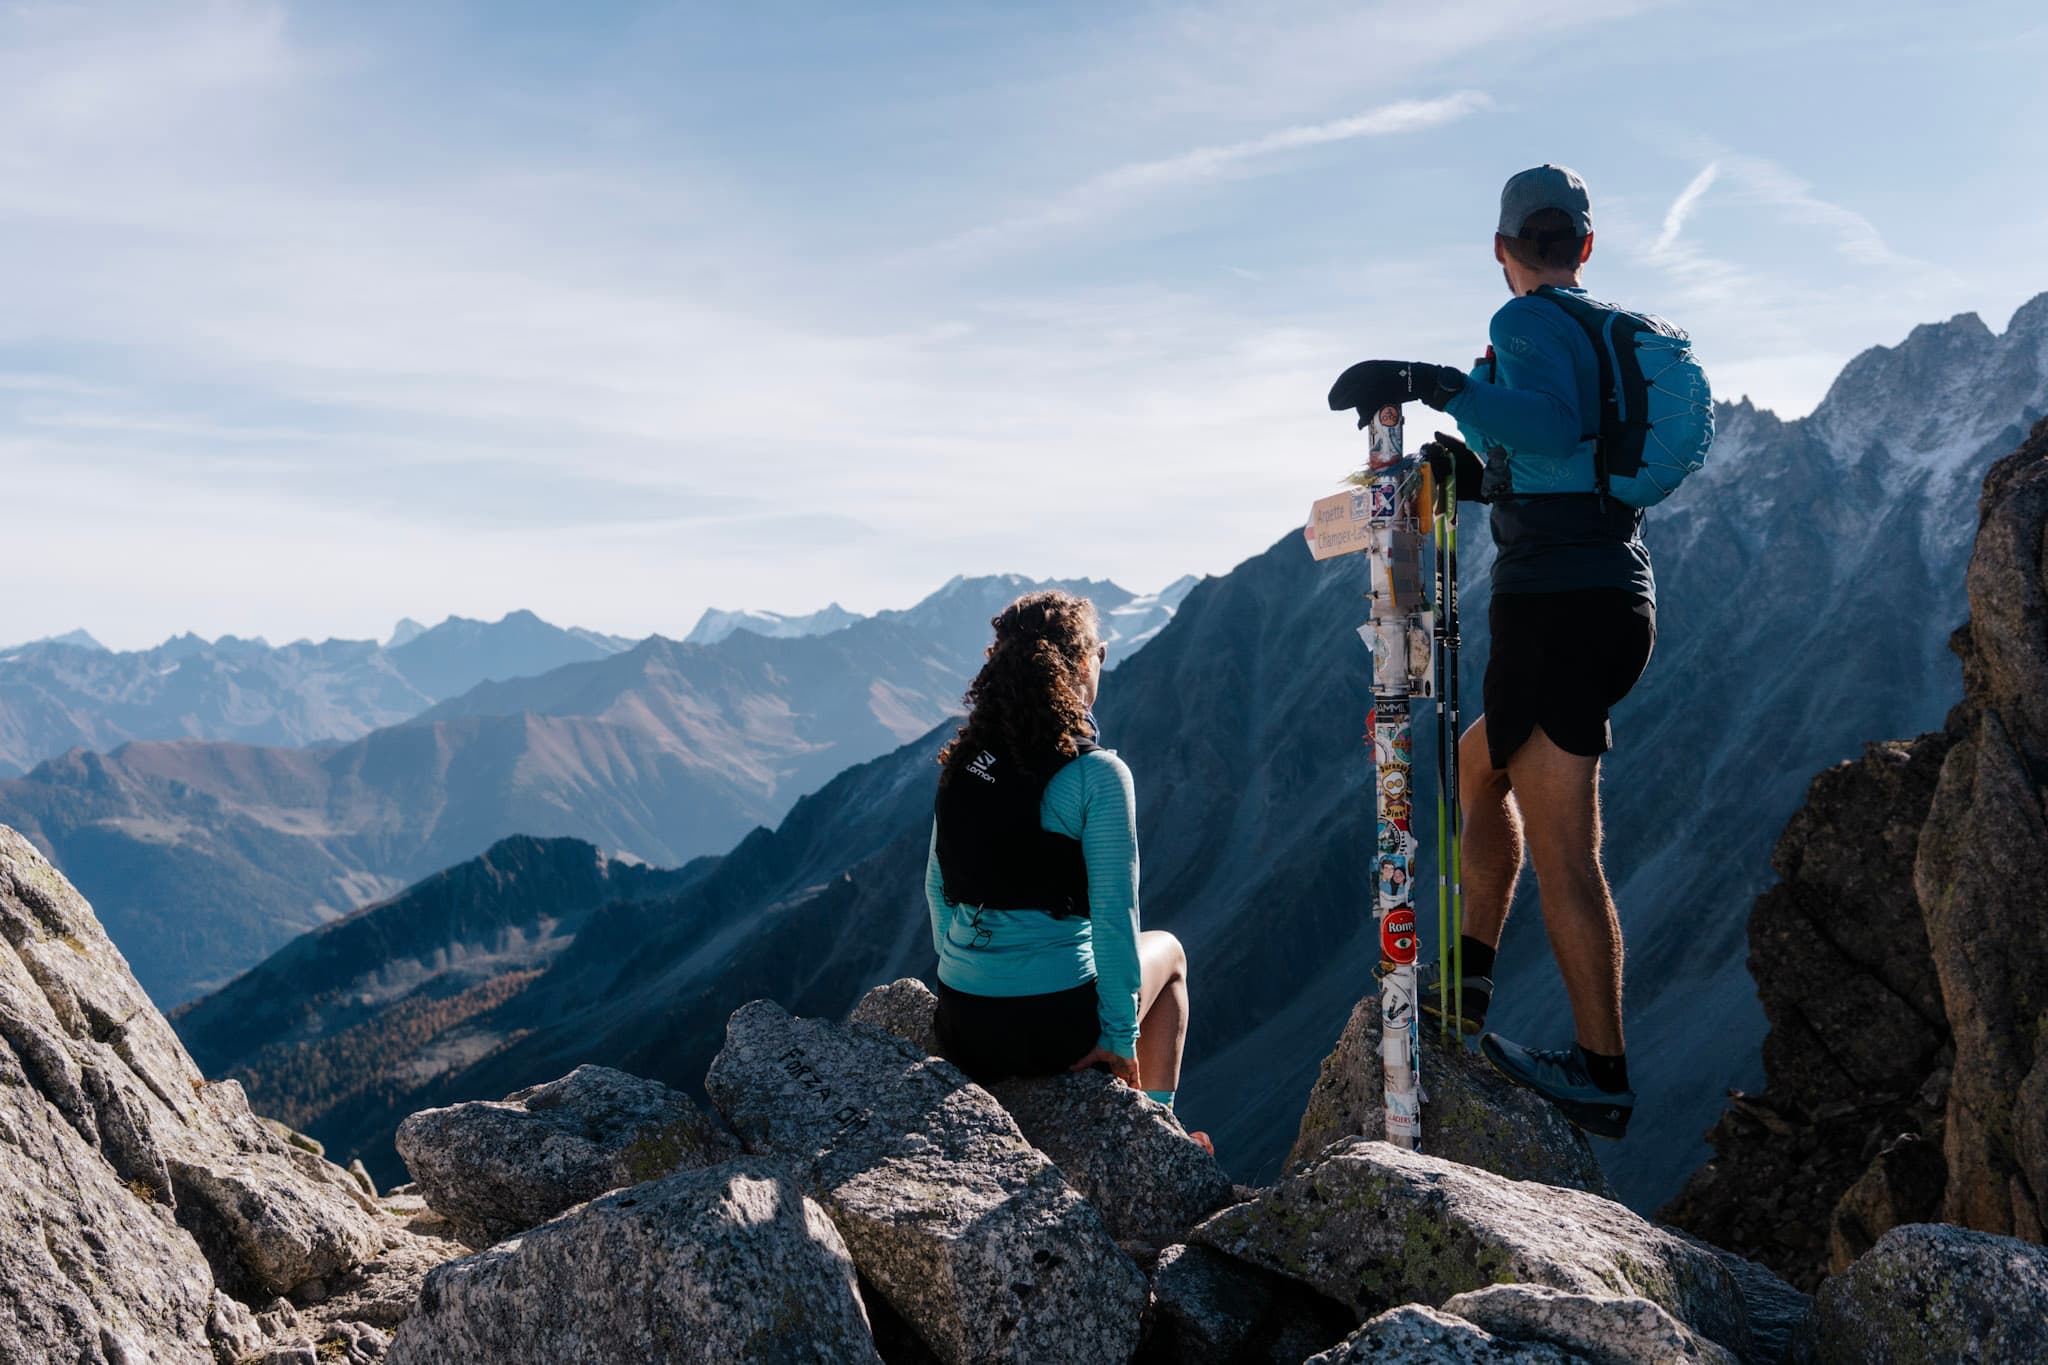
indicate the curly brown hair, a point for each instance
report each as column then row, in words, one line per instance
column 1030, row 699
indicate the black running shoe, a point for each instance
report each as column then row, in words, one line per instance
column 1478, row 995
column 1561, row 1078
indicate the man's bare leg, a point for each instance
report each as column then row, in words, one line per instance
column 1560, row 801
column 1491, row 858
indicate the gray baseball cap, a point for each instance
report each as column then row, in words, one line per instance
column 1544, row 187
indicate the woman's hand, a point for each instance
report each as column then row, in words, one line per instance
column 1124, row 1069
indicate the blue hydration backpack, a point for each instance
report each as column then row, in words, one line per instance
column 1656, row 411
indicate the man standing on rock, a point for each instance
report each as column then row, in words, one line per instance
column 1573, row 619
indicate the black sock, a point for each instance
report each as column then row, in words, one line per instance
column 1478, row 957
column 1609, row 1073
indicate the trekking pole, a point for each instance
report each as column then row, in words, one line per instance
column 1438, row 545
column 1447, row 715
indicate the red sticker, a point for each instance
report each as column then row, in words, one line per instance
column 1397, row 936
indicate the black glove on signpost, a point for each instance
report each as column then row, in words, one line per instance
column 1371, row 385
column 1448, row 455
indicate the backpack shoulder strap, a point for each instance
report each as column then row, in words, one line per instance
column 1597, row 322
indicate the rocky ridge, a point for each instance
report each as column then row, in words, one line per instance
column 1472, row 1114
column 855, row 1198
column 1900, row 956
column 149, row 1214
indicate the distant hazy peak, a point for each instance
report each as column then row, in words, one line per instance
column 76, row 639
column 987, row 594
column 716, row 624
column 183, row 646
column 614, row 644
column 519, row 621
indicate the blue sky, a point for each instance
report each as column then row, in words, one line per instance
column 316, row 316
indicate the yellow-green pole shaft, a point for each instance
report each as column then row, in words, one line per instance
column 1443, row 913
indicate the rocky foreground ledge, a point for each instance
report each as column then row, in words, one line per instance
column 145, row 1213
column 854, row 1198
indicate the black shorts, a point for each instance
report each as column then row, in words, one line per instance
column 993, row 1036
column 1559, row 660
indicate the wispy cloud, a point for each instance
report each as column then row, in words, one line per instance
column 1782, row 272
column 1768, row 188
column 1771, row 186
column 1286, row 64
column 439, row 312
column 1127, row 186
column 1682, row 207
column 1766, row 201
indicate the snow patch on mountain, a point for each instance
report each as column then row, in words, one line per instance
column 1936, row 401
column 716, row 624
column 1131, row 624
column 1126, row 619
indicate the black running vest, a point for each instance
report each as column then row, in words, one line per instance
column 993, row 852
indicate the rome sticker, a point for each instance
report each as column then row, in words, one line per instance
column 1397, row 936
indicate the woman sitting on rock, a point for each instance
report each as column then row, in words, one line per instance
column 1033, row 874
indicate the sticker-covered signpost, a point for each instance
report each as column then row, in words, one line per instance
column 1382, row 516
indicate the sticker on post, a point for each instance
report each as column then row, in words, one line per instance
column 1397, row 1000
column 1404, row 1118
column 1397, row 931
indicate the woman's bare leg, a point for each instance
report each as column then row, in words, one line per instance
column 1163, row 1015
column 1162, row 1009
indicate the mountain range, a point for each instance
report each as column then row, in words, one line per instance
column 71, row 692
column 1128, row 619
column 1810, row 575
column 714, row 625
column 82, row 638
column 202, row 856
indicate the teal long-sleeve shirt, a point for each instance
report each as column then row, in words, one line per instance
column 1548, row 382
column 1537, row 413
column 1027, row 952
